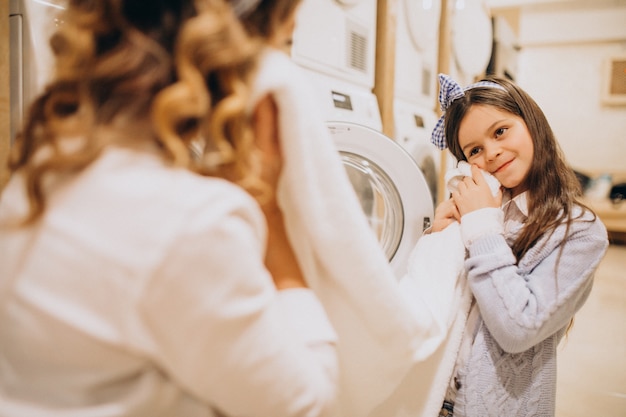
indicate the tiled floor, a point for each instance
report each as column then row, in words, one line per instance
column 592, row 360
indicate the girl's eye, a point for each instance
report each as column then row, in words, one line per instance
column 473, row 152
column 500, row 131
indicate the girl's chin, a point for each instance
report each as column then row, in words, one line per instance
column 511, row 186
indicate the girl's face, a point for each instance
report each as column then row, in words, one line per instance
column 498, row 142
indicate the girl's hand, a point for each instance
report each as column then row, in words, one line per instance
column 473, row 193
column 445, row 214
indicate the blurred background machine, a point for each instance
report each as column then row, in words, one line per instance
column 335, row 43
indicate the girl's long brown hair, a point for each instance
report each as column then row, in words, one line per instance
column 168, row 74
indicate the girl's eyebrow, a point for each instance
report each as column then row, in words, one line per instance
column 494, row 124
column 469, row 145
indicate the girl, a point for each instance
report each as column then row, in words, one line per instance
column 532, row 250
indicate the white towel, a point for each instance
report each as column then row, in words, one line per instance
column 436, row 269
column 380, row 334
column 464, row 169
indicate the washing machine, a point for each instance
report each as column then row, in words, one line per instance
column 337, row 38
column 417, row 40
column 393, row 192
column 334, row 42
column 504, row 58
column 472, row 40
column 417, row 48
column 341, row 100
column 31, row 23
column 413, row 127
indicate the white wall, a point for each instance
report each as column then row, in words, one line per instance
column 561, row 66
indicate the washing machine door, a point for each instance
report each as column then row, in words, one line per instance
column 391, row 187
column 472, row 38
column 422, row 20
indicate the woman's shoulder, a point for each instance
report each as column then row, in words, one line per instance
column 142, row 204
column 143, row 187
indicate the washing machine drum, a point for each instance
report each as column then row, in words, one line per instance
column 390, row 186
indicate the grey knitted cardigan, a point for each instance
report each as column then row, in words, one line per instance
column 524, row 311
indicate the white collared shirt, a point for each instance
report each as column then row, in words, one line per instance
column 142, row 292
column 515, row 215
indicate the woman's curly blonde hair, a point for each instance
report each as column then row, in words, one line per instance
column 170, row 73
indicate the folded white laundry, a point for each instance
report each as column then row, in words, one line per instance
column 382, row 329
column 436, row 270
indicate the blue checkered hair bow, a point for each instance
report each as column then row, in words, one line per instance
column 449, row 91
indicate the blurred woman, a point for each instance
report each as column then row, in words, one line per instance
column 133, row 267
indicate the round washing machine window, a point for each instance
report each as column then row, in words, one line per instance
column 379, row 199
column 390, row 185
column 422, row 20
column 472, row 38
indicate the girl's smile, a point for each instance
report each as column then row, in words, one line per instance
column 502, row 167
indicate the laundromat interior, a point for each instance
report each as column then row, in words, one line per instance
column 375, row 63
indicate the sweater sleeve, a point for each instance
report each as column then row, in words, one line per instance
column 223, row 332
column 523, row 304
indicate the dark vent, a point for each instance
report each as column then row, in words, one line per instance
column 357, row 58
column 419, row 120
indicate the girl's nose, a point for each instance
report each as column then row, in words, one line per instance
column 492, row 150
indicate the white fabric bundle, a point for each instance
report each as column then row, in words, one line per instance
column 380, row 334
column 464, row 169
column 437, row 257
